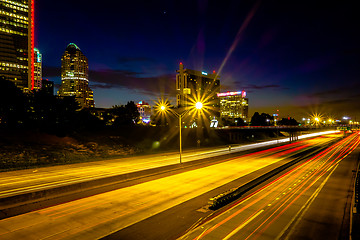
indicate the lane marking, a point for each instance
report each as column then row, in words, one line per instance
column 202, row 234
column 303, row 210
column 242, row 225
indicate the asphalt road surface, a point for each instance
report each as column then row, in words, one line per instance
column 25, row 181
column 100, row 215
column 280, row 210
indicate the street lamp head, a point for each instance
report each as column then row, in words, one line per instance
column 162, row 108
column 198, row 105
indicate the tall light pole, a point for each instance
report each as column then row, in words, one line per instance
column 164, row 108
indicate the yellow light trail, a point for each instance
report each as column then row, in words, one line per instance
column 321, row 163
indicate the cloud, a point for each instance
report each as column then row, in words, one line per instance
column 124, row 79
column 253, row 86
column 259, row 87
column 335, row 101
column 340, row 107
column 103, row 86
column 328, row 93
column 348, row 91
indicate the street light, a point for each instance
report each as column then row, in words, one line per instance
column 164, row 108
column 317, row 121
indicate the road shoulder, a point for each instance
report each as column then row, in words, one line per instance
column 328, row 217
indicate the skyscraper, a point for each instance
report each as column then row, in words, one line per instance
column 193, row 86
column 37, row 69
column 74, row 77
column 17, row 42
column 233, row 105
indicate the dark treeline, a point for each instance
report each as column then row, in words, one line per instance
column 262, row 119
column 265, row 119
column 45, row 112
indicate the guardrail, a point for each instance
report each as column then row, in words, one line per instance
column 265, row 127
column 235, row 193
column 355, row 208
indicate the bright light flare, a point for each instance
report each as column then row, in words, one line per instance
column 160, row 110
column 316, row 118
column 202, row 105
column 199, row 105
column 162, row 105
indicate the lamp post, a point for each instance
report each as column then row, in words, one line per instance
column 163, row 108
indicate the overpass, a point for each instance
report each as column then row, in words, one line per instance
column 239, row 134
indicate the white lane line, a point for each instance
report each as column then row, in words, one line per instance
column 242, row 225
column 202, row 234
column 303, row 210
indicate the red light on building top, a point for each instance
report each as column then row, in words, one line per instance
column 243, row 94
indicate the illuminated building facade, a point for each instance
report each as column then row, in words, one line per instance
column 193, row 86
column 74, row 77
column 145, row 111
column 233, row 105
column 37, row 69
column 17, row 42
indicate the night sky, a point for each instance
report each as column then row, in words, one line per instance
column 299, row 57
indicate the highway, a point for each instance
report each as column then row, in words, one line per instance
column 24, row 181
column 275, row 210
column 100, row 215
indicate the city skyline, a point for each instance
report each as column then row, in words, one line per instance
column 298, row 58
column 179, row 120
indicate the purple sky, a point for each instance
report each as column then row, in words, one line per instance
column 295, row 56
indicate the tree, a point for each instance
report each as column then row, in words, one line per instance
column 13, row 107
column 125, row 115
column 288, row 122
column 240, row 122
column 41, row 111
column 235, row 122
column 261, row 120
column 132, row 112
